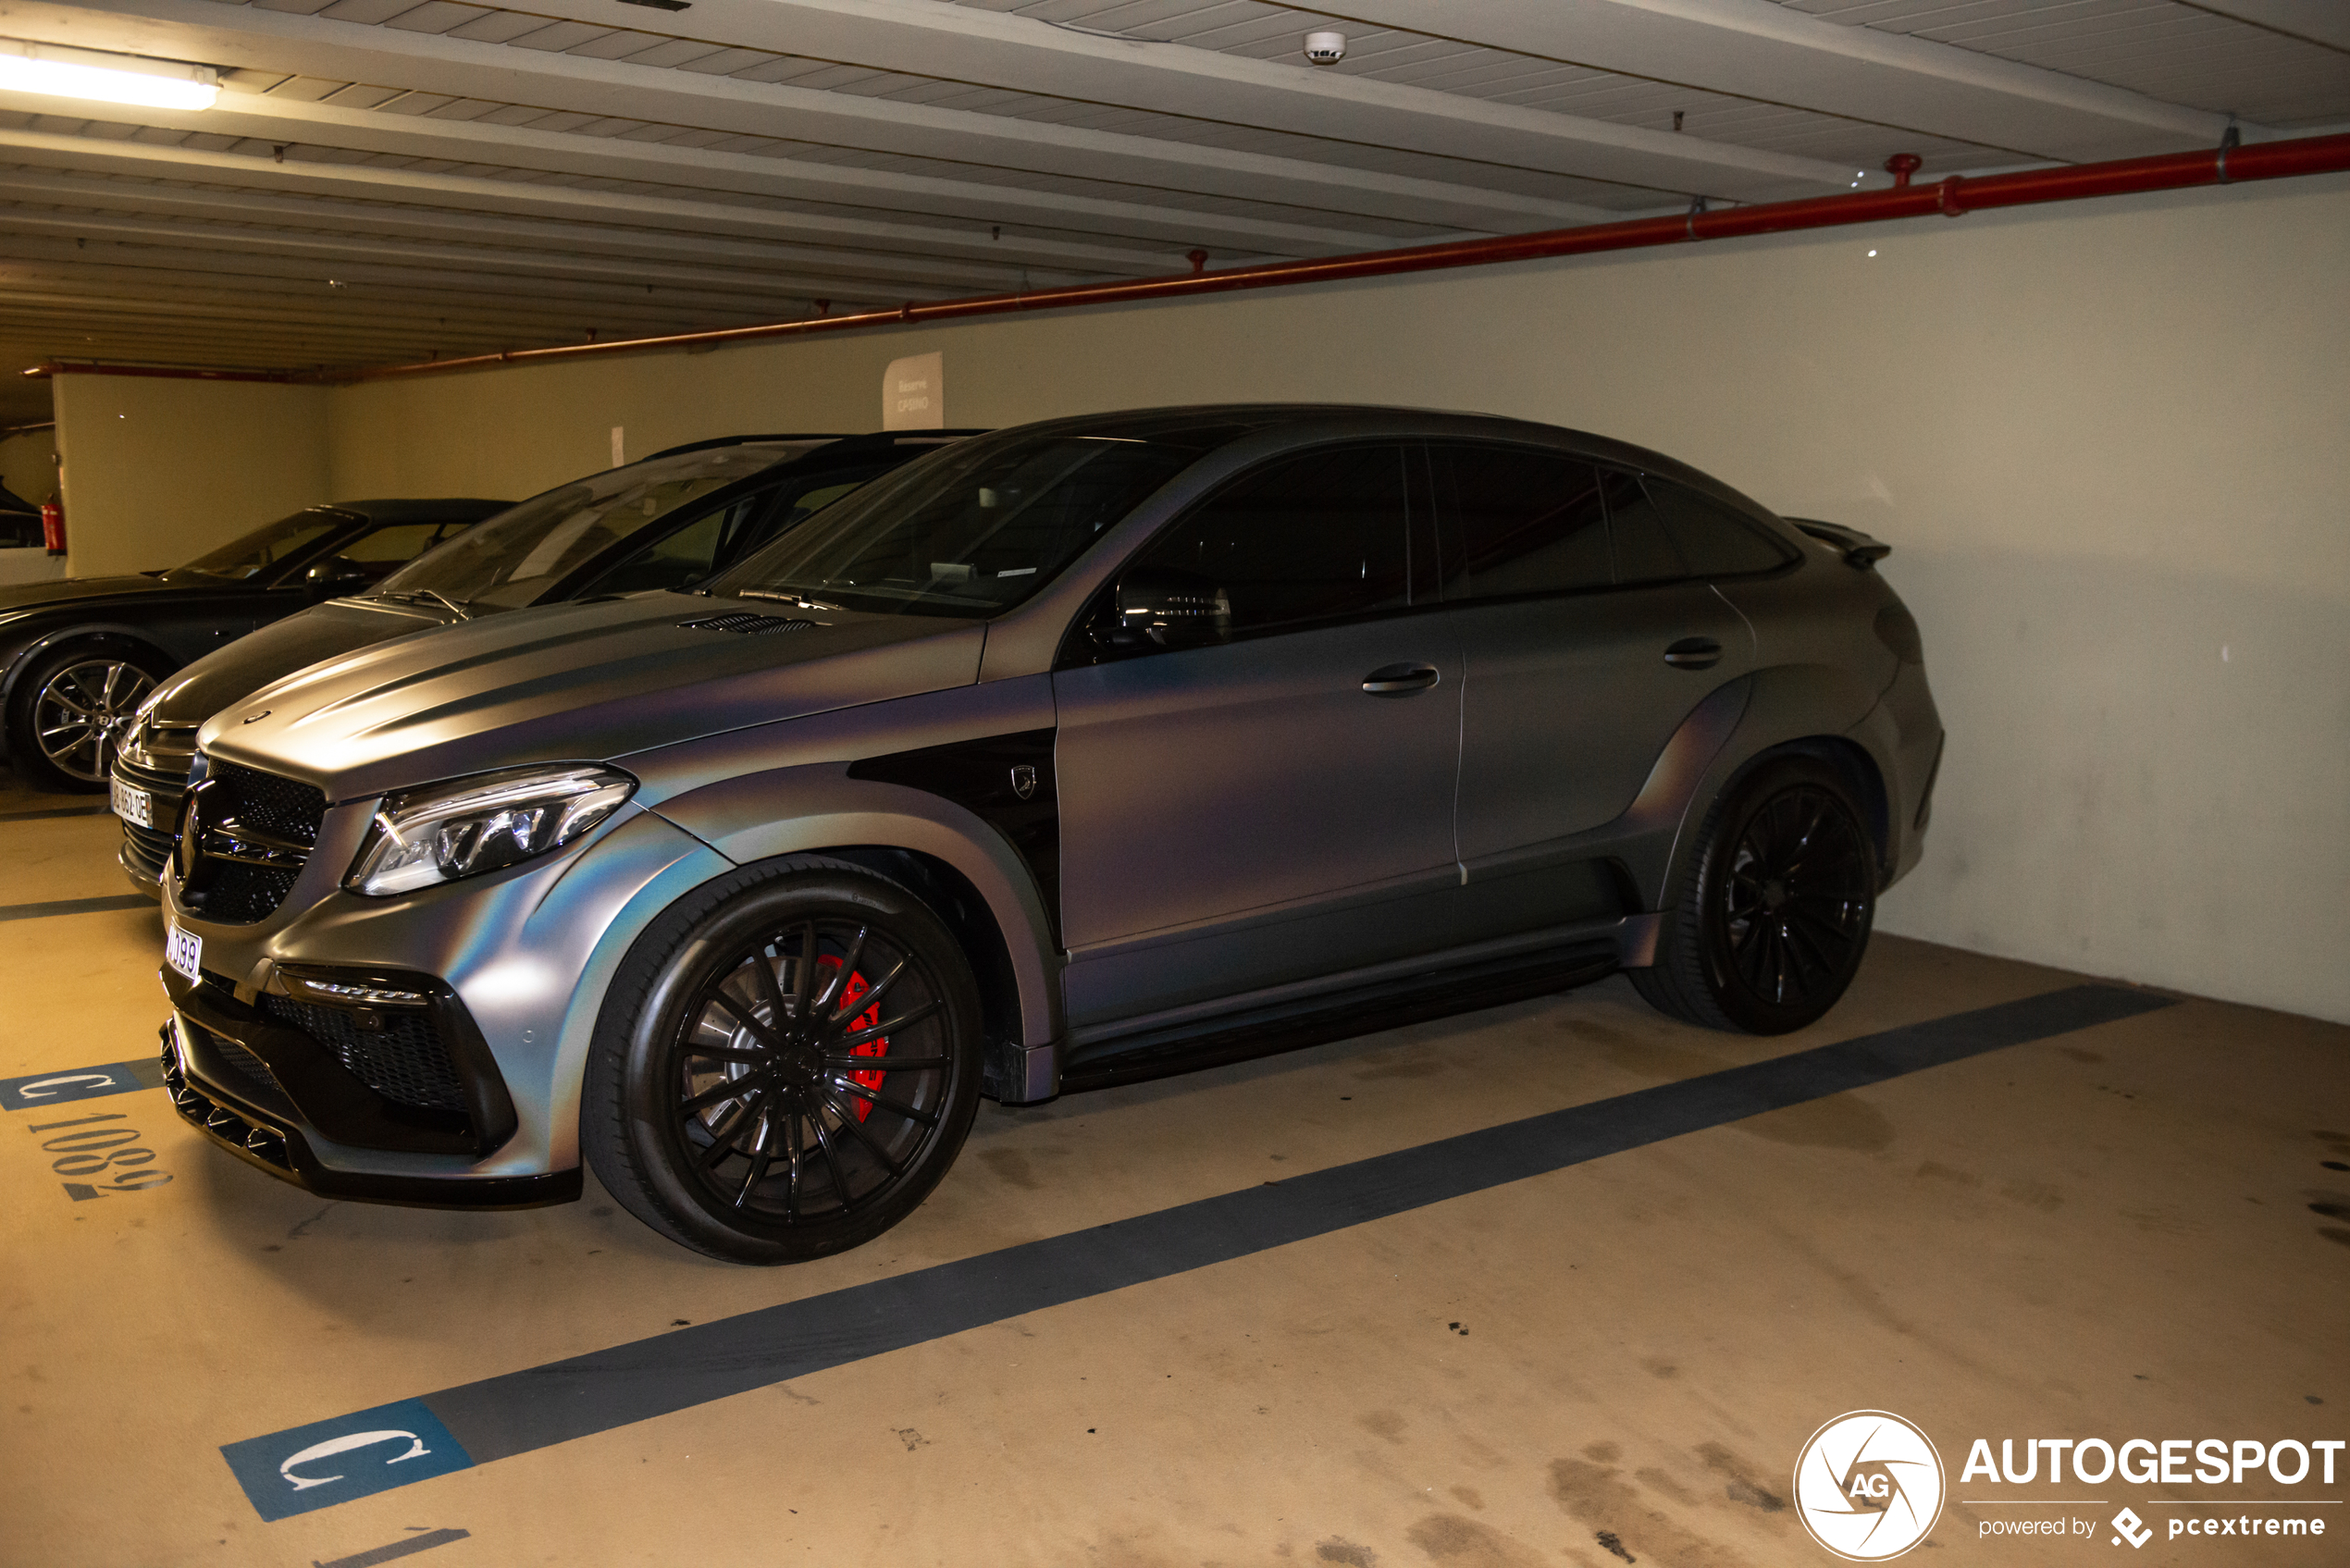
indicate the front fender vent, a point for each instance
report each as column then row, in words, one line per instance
column 743, row 624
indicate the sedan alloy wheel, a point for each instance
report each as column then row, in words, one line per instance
column 78, row 707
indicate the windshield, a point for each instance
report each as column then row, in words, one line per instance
column 968, row 531
column 520, row 553
column 273, row 545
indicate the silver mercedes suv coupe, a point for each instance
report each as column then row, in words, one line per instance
column 1077, row 752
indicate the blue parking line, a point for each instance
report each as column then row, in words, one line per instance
column 520, row 1412
column 74, row 907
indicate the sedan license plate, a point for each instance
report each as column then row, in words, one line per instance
column 133, row 806
column 183, row 950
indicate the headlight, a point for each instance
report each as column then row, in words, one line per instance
column 468, row 826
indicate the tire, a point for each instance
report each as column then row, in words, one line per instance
column 761, row 1144
column 67, row 708
column 1770, row 919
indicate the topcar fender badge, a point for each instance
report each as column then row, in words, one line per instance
column 330, row 1462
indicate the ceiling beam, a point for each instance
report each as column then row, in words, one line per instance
column 1763, row 51
column 945, row 42
column 534, row 236
column 248, row 38
column 473, row 192
column 2312, row 21
column 453, row 294
column 249, row 239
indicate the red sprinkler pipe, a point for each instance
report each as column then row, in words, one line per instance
column 1952, row 197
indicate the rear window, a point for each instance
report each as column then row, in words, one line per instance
column 1715, row 541
column 1525, row 522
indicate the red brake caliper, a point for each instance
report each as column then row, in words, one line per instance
column 828, row 965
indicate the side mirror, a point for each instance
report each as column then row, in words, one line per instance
column 1165, row 609
column 335, row 575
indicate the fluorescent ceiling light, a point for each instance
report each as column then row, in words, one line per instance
column 111, row 78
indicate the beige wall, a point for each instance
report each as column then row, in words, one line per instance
column 159, row 471
column 2107, row 440
column 27, row 464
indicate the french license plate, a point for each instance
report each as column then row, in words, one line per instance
column 183, row 950
column 133, row 806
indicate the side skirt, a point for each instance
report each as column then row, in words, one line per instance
column 1437, row 987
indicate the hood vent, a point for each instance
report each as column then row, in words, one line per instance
column 743, row 624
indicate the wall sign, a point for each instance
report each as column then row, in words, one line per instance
column 914, row 393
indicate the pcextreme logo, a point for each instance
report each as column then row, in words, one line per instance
column 1868, row 1486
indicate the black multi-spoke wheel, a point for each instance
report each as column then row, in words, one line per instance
column 1773, row 913
column 789, row 1062
column 72, row 705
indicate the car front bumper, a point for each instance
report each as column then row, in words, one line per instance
column 514, row 965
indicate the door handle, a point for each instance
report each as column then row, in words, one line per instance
column 1694, row 653
column 1399, row 680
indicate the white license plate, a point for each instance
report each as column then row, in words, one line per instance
column 183, row 950
column 133, row 806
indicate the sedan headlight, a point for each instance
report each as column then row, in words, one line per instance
column 467, row 826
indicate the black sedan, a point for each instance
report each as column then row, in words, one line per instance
column 663, row 523
column 78, row 657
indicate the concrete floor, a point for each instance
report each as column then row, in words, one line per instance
column 2105, row 1233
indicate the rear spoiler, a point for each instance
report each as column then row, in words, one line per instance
column 1858, row 548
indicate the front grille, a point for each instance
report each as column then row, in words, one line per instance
column 157, row 771
column 162, row 770
column 265, row 801
column 238, row 895
column 403, row 1060
column 149, row 848
column 233, row 892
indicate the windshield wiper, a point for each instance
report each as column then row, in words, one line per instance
column 456, row 607
column 786, row 596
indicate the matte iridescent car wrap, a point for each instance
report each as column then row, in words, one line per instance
column 754, row 731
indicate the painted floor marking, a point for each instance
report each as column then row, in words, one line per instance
column 63, row 1085
column 409, row 1548
column 56, row 811
column 74, row 907
column 519, row 1411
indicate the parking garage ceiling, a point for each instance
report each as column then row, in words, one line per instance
column 389, row 180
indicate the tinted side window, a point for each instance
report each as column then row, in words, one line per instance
column 1644, row 552
column 1310, row 538
column 1715, row 541
column 1526, row 522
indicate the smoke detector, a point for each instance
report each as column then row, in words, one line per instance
column 1326, row 48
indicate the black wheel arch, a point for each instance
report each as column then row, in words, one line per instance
column 1861, row 775
column 949, row 895
column 95, row 639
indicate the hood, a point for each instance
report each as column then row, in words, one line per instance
column 89, row 593
column 591, row 682
column 226, row 675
